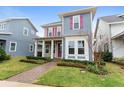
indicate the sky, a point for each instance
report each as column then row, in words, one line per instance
column 40, row 15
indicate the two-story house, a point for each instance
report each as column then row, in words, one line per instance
column 71, row 38
column 109, row 35
column 16, row 36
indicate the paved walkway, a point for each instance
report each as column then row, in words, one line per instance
column 17, row 84
column 31, row 75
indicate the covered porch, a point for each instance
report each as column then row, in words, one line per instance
column 49, row 47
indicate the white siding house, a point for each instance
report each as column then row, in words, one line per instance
column 109, row 35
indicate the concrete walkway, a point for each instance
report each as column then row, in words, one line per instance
column 17, row 84
column 31, row 75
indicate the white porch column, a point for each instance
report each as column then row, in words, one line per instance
column 62, row 49
column 35, row 50
column 43, row 48
column 52, row 46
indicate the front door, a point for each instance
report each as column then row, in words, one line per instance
column 2, row 44
column 59, row 49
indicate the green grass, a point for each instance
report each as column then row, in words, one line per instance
column 12, row 67
column 72, row 77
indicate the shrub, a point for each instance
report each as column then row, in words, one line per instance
column 33, row 61
column 39, row 58
column 97, row 70
column 107, row 56
column 3, row 55
column 77, row 61
column 71, row 64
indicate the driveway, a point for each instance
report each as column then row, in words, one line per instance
column 31, row 75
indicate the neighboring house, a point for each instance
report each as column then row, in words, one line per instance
column 71, row 38
column 16, row 36
column 109, row 35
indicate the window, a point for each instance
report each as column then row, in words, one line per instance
column 71, row 47
column 31, row 48
column 50, row 31
column 2, row 26
column 47, row 47
column 13, row 46
column 80, row 47
column 25, row 31
column 59, row 31
column 76, row 22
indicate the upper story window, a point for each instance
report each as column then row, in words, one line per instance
column 76, row 22
column 2, row 26
column 50, row 31
column 25, row 31
column 58, row 31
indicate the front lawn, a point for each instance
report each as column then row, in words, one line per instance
column 12, row 67
column 71, row 76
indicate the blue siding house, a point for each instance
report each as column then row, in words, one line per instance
column 70, row 38
column 16, row 36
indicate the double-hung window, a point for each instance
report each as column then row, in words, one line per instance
column 47, row 48
column 2, row 26
column 76, row 22
column 13, row 46
column 71, row 47
column 80, row 47
column 50, row 31
column 58, row 31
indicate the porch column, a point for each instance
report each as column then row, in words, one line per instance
column 35, row 51
column 62, row 49
column 43, row 48
column 52, row 46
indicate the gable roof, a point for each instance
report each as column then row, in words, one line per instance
column 52, row 24
column 113, row 18
column 19, row 18
column 79, row 11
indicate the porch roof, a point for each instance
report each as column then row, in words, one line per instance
column 49, row 38
column 118, row 35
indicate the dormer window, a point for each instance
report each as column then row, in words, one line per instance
column 2, row 26
column 76, row 22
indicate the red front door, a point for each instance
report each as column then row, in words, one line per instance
column 59, row 49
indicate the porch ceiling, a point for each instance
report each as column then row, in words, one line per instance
column 120, row 35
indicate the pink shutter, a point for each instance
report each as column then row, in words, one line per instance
column 81, row 21
column 46, row 32
column 71, row 22
column 55, row 31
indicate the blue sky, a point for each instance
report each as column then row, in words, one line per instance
column 46, row 14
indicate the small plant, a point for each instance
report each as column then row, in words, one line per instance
column 3, row 55
column 107, row 56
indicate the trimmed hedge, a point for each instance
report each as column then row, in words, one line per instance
column 33, row 61
column 39, row 58
column 71, row 64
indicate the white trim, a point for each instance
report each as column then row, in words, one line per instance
column 115, row 22
column 35, row 50
column 30, row 47
column 78, row 20
column 10, row 46
column 27, row 29
column 3, row 26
